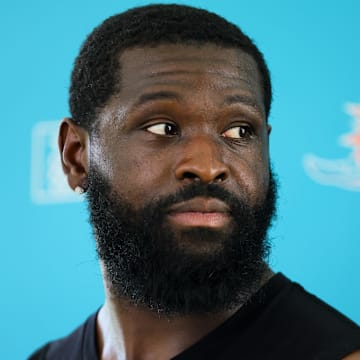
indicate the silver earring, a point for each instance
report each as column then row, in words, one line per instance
column 79, row 190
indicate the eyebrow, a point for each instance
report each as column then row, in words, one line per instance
column 243, row 99
column 158, row 95
column 171, row 95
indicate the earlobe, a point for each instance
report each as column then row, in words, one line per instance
column 73, row 146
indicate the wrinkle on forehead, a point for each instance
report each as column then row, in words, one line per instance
column 188, row 70
column 171, row 60
column 165, row 77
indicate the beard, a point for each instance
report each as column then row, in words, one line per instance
column 172, row 272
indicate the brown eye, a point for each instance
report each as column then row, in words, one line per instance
column 163, row 129
column 238, row 132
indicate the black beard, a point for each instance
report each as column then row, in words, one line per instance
column 149, row 264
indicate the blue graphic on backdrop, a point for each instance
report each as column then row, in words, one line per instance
column 343, row 173
column 48, row 183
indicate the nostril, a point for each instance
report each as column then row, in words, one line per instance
column 220, row 178
column 189, row 175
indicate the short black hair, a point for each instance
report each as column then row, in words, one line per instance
column 96, row 73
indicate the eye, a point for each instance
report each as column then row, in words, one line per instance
column 238, row 132
column 163, row 129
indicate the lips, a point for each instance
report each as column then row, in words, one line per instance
column 200, row 211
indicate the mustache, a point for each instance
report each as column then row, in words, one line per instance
column 197, row 189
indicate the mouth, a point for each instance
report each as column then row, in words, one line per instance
column 200, row 212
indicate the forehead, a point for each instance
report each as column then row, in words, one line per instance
column 188, row 67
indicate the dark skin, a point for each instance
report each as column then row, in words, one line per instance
column 183, row 114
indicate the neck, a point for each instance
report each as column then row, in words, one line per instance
column 125, row 331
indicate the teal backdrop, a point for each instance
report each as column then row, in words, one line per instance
column 50, row 276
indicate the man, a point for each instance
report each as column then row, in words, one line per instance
column 169, row 140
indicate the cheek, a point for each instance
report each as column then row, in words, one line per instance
column 136, row 174
column 251, row 174
column 261, row 170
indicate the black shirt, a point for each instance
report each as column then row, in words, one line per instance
column 281, row 321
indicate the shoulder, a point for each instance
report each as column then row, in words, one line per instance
column 305, row 319
column 40, row 354
column 309, row 309
column 77, row 345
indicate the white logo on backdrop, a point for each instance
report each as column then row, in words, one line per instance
column 48, row 183
column 343, row 173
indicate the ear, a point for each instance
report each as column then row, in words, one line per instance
column 73, row 146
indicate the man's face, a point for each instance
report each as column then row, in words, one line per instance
column 180, row 161
column 182, row 113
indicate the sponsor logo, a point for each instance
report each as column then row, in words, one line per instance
column 343, row 173
column 48, row 183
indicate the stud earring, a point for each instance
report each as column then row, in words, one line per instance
column 79, row 190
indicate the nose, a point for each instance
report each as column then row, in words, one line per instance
column 201, row 160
